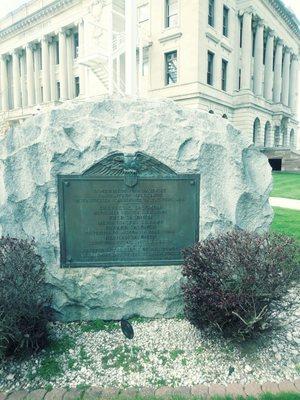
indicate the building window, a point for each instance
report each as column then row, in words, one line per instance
column 224, row 74
column 225, row 20
column 143, row 13
column 58, row 90
column 145, row 66
column 76, row 44
column 171, row 67
column 210, row 67
column 77, row 86
column 171, row 13
column 56, row 44
column 240, row 79
column 211, row 12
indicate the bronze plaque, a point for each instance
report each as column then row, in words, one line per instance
column 127, row 220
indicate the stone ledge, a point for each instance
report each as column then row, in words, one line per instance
column 96, row 393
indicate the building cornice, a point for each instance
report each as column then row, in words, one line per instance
column 45, row 12
column 288, row 16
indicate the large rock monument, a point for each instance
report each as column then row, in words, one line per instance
column 81, row 176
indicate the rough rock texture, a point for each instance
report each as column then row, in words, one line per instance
column 235, row 186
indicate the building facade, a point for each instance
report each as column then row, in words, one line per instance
column 237, row 59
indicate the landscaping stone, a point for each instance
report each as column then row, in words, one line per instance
column 18, row 395
column 72, row 394
column 55, row 394
column 146, row 392
column 182, row 391
column 253, row 389
column 36, row 395
column 129, row 393
column 93, row 393
column 69, row 139
column 109, row 392
column 199, row 390
column 164, row 391
column 217, row 390
column 235, row 389
column 287, row 386
column 270, row 387
column 297, row 384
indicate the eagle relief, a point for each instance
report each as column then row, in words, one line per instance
column 131, row 166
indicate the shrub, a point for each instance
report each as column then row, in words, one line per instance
column 237, row 281
column 24, row 305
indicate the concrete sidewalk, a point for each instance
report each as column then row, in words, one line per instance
column 285, row 203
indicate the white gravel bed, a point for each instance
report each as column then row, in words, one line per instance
column 163, row 352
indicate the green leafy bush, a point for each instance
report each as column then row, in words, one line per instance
column 24, row 304
column 237, row 280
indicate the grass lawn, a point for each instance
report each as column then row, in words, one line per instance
column 286, row 222
column 286, row 184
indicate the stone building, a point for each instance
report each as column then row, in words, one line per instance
column 237, row 59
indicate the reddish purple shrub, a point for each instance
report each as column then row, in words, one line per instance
column 236, row 280
column 24, row 303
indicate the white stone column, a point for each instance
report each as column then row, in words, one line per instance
column 30, row 75
column 45, row 69
column 286, row 77
column 16, row 79
column 4, row 82
column 293, row 84
column 37, row 73
column 71, row 83
column 63, row 70
column 269, row 66
column 277, row 72
column 258, row 58
column 52, row 50
column 246, row 49
column 82, row 68
column 23, row 79
column 130, row 48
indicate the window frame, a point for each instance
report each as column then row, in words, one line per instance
column 77, row 85
column 168, row 16
column 148, row 13
column 166, row 73
column 76, row 44
column 225, row 29
column 210, row 62
column 211, row 16
column 224, row 76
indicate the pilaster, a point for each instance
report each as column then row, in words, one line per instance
column 277, row 72
column 63, row 75
column 16, row 79
column 258, row 58
column 30, row 74
column 286, row 77
column 268, row 85
column 45, row 69
column 246, row 49
column 4, row 82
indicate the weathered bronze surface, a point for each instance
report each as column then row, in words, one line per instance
column 130, row 219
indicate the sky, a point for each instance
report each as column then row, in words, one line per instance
column 8, row 5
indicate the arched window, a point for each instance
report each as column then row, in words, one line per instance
column 211, row 112
column 256, row 132
column 292, row 139
column 267, row 137
column 224, row 116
